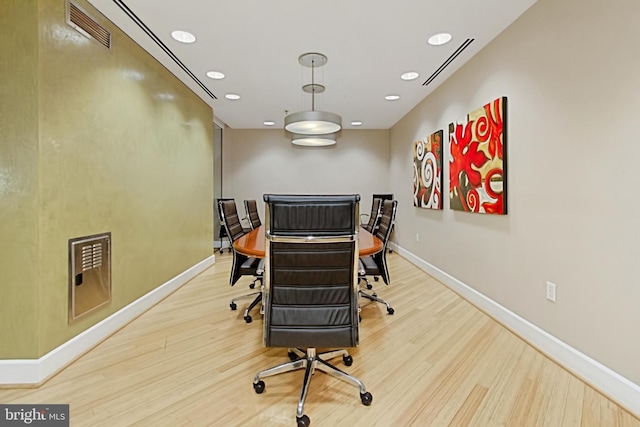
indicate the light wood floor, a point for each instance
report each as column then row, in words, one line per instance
column 438, row 361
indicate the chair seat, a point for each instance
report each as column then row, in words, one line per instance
column 367, row 266
column 251, row 264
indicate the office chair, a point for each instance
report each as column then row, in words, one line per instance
column 376, row 264
column 385, row 196
column 373, row 217
column 251, row 208
column 310, row 286
column 223, row 230
column 242, row 264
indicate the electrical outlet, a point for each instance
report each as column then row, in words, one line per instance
column 551, row 291
column 417, row 237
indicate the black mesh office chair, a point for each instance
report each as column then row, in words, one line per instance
column 311, row 289
column 251, row 208
column 376, row 265
column 385, row 196
column 242, row 264
column 374, row 216
column 223, row 230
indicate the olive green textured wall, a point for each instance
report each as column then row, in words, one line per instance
column 18, row 178
column 123, row 147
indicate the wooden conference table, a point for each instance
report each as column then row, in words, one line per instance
column 252, row 243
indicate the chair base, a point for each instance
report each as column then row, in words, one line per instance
column 311, row 361
column 257, row 300
column 374, row 297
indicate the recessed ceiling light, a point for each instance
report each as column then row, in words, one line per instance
column 164, row 97
column 133, row 75
column 411, row 75
column 392, row 97
column 269, row 123
column 356, row 123
column 216, row 75
column 439, row 39
column 183, row 36
column 232, row 96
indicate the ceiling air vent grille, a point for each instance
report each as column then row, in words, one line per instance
column 449, row 60
column 162, row 46
column 82, row 22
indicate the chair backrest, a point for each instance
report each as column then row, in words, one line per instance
column 374, row 216
column 312, row 215
column 223, row 231
column 229, row 216
column 385, row 226
column 384, row 196
column 251, row 208
column 387, row 217
column 310, row 278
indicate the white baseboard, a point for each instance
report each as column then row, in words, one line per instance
column 35, row 371
column 613, row 385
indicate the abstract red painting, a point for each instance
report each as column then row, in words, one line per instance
column 427, row 172
column 477, row 161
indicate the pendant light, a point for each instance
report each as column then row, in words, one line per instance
column 313, row 122
column 313, row 140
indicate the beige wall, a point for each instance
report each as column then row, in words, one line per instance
column 256, row 162
column 572, row 76
column 124, row 147
column 18, row 177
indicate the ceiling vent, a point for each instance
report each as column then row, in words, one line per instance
column 135, row 18
column 82, row 22
column 449, row 60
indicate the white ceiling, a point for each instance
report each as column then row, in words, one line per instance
column 369, row 44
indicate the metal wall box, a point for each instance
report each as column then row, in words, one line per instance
column 89, row 274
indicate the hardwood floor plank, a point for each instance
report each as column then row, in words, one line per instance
column 467, row 411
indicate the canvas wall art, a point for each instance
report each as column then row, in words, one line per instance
column 477, row 161
column 427, row 172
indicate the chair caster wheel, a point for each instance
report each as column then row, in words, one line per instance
column 252, row 285
column 248, row 318
column 390, row 310
column 303, row 421
column 348, row 360
column 233, row 306
column 369, row 286
column 259, row 387
column 376, row 278
column 366, row 398
column 292, row 356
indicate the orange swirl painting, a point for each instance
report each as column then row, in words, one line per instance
column 427, row 172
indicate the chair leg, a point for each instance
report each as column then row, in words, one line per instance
column 335, row 353
column 233, row 304
column 367, row 284
column 338, row 373
column 374, row 297
column 280, row 369
column 256, row 301
column 311, row 362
